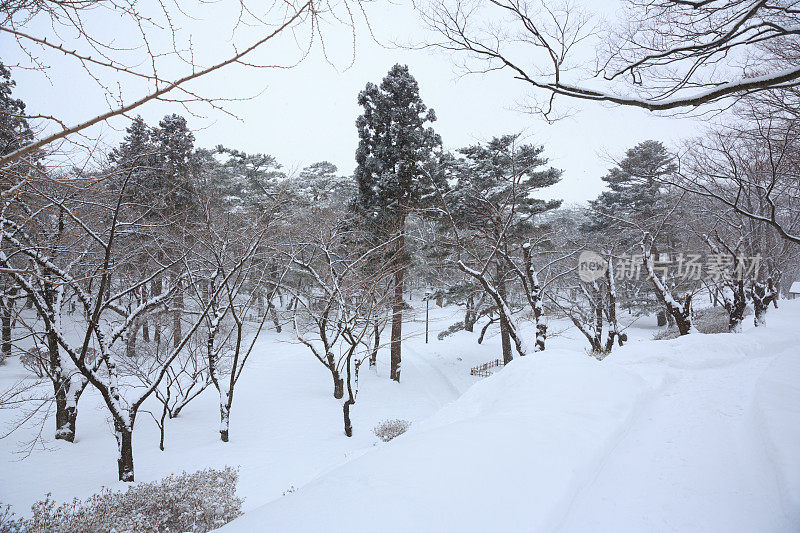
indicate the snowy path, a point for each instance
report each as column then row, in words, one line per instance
column 691, row 461
column 694, row 434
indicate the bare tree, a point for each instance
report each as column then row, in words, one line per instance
column 158, row 60
column 665, row 54
column 751, row 169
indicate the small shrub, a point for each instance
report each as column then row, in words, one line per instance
column 711, row 320
column 197, row 502
column 36, row 361
column 389, row 429
column 458, row 326
column 670, row 332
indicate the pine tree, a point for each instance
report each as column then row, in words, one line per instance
column 636, row 202
column 493, row 196
column 251, row 181
column 635, row 190
column 319, row 186
column 394, row 145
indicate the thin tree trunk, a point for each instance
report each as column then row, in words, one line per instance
column 155, row 289
column 397, row 305
column 597, row 340
column 469, row 315
column 7, row 307
column 176, row 317
column 224, row 416
column 338, row 382
column 6, row 333
column 145, row 325
column 376, row 337
column 161, row 426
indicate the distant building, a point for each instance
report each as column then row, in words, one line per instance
column 794, row 290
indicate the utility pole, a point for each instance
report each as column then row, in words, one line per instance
column 427, row 306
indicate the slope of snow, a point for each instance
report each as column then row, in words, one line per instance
column 699, row 433
column 694, row 434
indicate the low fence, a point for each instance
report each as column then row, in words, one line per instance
column 484, row 370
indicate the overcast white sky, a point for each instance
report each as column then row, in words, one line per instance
column 307, row 114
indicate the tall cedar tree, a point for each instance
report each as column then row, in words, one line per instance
column 493, row 198
column 14, row 134
column 394, row 147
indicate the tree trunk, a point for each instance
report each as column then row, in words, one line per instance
column 145, row 325
column 176, row 317
column 7, row 319
column 505, row 337
column 6, row 334
column 397, row 305
column 161, row 427
column 376, row 338
column 661, row 318
column 274, row 315
column 130, row 345
column 125, row 448
column 224, row 417
column 74, row 388
column 61, row 387
column 338, row 382
column 736, row 308
column 156, row 284
column 469, row 316
column 348, row 425
column 597, row 339
column 338, row 385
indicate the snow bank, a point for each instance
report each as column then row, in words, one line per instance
column 777, row 414
column 508, row 455
column 698, row 433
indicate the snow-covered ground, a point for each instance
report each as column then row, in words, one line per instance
column 700, row 433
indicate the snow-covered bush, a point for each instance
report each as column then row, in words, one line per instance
column 35, row 361
column 197, row 502
column 389, row 429
column 458, row 326
column 712, row 320
column 670, row 332
column 706, row 320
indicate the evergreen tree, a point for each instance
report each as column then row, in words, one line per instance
column 135, row 160
column 174, row 162
column 251, row 181
column 15, row 132
column 634, row 193
column 636, row 202
column 319, row 185
column 394, row 146
column 493, row 198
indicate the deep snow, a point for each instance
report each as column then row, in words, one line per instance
column 700, row 433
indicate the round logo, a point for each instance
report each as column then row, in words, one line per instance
column 591, row 266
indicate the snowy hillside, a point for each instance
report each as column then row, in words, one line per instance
column 695, row 434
